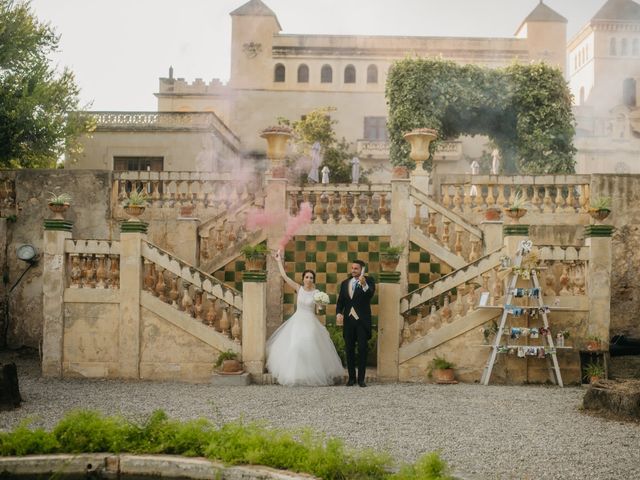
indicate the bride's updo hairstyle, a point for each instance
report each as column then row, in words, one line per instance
column 311, row 272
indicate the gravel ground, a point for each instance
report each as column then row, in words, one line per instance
column 505, row 432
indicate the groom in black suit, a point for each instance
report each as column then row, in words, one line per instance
column 353, row 311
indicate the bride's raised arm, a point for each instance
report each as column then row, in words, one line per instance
column 291, row 283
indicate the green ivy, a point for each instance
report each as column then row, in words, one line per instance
column 524, row 109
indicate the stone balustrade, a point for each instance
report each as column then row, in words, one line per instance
column 450, row 232
column 217, row 192
column 558, row 194
column 189, row 290
column 92, row 264
column 110, row 120
column 343, row 203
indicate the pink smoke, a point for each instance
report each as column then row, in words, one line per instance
column 257, row 219
column 294, row 224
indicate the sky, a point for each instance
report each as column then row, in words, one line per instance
column 119, row 48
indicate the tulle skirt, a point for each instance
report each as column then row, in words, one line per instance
column 300, row 352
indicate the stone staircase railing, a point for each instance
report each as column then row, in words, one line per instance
column 443, row 232
column 343, row 203
column 193, row 292
column 559, row 195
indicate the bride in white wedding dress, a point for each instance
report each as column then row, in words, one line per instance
column 300, row 351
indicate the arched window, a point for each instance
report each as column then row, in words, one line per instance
column 629, row 92
column 350, row 74
column 581, row 96
column 612, row 47
column 635, row 47
column 326, row 74
column 303, row 74
column 278, row 73
column 623, row 47
column 372, row 74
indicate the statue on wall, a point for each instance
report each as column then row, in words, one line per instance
column 355, row 170
column 325, row 175
column 495, row 162
column 315, row 163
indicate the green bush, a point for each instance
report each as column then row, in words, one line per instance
column 235, row 443
column 338, row 341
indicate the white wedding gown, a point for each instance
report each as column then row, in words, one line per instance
column 300, row 351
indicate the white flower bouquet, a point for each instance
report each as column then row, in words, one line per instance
column 321, row 298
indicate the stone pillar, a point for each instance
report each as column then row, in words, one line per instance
column 401, row 223
column 53, row 285
column 254, row 323
column 131, row 274
column 513, row 235
column 4, row 287
column 492, row 235
column 275, row 204
column 598, row 239
column 389, row 325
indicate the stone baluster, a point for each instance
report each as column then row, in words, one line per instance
column 89, row 272
column 559, row 200
column 101, row 271
column 445, row 232
column 473, row 254
column 219, row 236
column 536, row 201
column 584, row 197
column 211, row 312
column 383, row 210
column 122, row 191
column 224, row 322
column 150, row 277
column 457, row 199
column 571, row 200
column 198, row 307
column 457, row 248
column 501, row 198
column 160, row 285
column 230, row 226
column 76, row 271
column 417, row 219
column 236, row 331
column 446, row 199
column 331, row 220
column 472, row 299
column 406, row 333
column 369, row 208
column 467, row 198
column 355, row 209
column 305, row 196
column 432, row 229
column 174, row 293
column 186, row 303
column 201, row 196
column 318, row 209
column 547, row 202
column 344, row 209
column 293, row 204
column 490, row 200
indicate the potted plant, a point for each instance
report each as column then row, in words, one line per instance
column 492, row 214
column 594, row 371
column 489, row 330
column 516, row 209
column 442, row 370
column 255, row 256
column 59, row 203
column 594, row 343
column 600, row 208
column 390, row 257
column 228, row 362
column 135, row 204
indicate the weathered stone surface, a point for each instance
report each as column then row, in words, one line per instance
column 618, row 397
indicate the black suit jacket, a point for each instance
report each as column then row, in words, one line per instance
column 361, row 302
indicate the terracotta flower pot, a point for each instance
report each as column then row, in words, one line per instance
column 400, row 172
column 594, row 379
column 599, row 214
column 443, row 375
column 255, row 263
column 593, row 345
column 492, row 214
column 389, row 263
column 231, row 366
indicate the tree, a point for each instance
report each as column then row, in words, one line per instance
column 39, row 118
column 317, row 126
column 524, row 109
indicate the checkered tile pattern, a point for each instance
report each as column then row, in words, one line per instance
column 330, row 257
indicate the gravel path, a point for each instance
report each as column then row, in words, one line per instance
column 505, row 432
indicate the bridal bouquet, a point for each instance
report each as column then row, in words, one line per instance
column 321, row 298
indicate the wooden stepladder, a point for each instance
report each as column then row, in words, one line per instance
column 507, row 309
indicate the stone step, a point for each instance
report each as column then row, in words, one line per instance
column 370, row 377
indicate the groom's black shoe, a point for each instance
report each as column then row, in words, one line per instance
column 362, row 384
column 351, row 383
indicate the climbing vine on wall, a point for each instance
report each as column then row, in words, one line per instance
column 524, row 109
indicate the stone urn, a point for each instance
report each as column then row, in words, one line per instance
column 277, row 138
column 599, row 214
column 134, row 211
column 389, row 262
column 420, row 139
column 515, row 214
column 58, row 209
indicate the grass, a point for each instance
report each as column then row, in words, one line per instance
column 234, row 443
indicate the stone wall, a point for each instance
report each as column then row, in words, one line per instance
column 624, row 191
column 91, row 215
